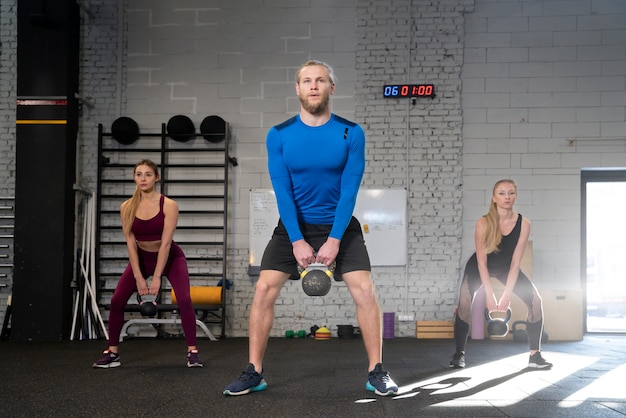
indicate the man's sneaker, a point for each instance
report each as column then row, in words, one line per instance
column 109, row 359
column 536, row 361
column 193, row 359
column 249, row 381
column 458, row 361
column 379, row 382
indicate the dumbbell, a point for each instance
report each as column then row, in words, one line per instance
column 291, row 334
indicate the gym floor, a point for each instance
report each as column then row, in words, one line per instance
column 307, row 377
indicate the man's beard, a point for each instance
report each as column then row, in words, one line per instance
column 314, row 109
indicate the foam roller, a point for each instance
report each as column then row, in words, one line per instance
column 203, row 295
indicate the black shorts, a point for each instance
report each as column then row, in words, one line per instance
column 352, row 256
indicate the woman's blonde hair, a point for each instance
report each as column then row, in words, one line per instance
column 492, row 237
column 129, row 207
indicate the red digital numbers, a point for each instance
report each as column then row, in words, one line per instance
column 409, row 90
column 422, row 90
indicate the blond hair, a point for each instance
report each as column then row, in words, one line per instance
column 492, row 237
column 129, row 207
column 331, row 72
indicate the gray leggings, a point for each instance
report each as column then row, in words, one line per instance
column 524, row 288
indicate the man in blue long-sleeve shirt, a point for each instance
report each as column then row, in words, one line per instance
column 316, row 161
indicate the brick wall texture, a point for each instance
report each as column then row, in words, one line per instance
column 524, row 89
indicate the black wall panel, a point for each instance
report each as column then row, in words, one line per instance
column 47, row 119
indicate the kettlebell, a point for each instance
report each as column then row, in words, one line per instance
column 519, row 335
column 316, row 278
column 148, row 303
column 498, row 327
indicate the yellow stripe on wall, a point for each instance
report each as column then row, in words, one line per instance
column 42, row 122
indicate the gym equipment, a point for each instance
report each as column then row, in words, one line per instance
column 213, row 128
column 322, row 334
column 498, row 327
column 148, row 303
column 440, row 330
column 125, row 130
column 345, row 331
column 180, row 128
column 477, row 321
column 204, row 298
column 389, row 325
column 203, row 295
column 86, row 313
column 313, row 329
column 316, row 278
column 291, row 334
column 6, row 329
column 520, row 335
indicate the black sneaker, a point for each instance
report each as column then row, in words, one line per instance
column 536, row 361
column 458, row 361
column 249, row 381
column 379, row 382
column 193, row 359
column 108, row 360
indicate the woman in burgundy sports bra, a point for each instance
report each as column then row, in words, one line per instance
column 148, row 221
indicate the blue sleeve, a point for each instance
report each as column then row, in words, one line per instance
column 350, row 182
column 281, row 182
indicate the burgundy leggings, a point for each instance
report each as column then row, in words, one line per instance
column 178, row 276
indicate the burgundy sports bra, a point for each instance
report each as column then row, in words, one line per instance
column 150, row 229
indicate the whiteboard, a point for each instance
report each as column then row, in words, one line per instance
column 382, row 213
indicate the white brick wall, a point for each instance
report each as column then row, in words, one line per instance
column 8, row 92
column 423, row 44
column 513, row 79
column 100, row 83
column 574, row 58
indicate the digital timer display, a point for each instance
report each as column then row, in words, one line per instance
column 392, row 91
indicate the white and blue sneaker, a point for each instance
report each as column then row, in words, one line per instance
column 379, row 382
column 249, row 381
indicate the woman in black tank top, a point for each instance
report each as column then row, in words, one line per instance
column 500, row 238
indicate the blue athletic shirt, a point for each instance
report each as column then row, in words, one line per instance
column 316, row 172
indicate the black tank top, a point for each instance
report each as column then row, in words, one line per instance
column 501, row 260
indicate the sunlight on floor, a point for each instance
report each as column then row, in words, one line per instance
column 503, row 381
column 506, row 382
column 609, row 385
